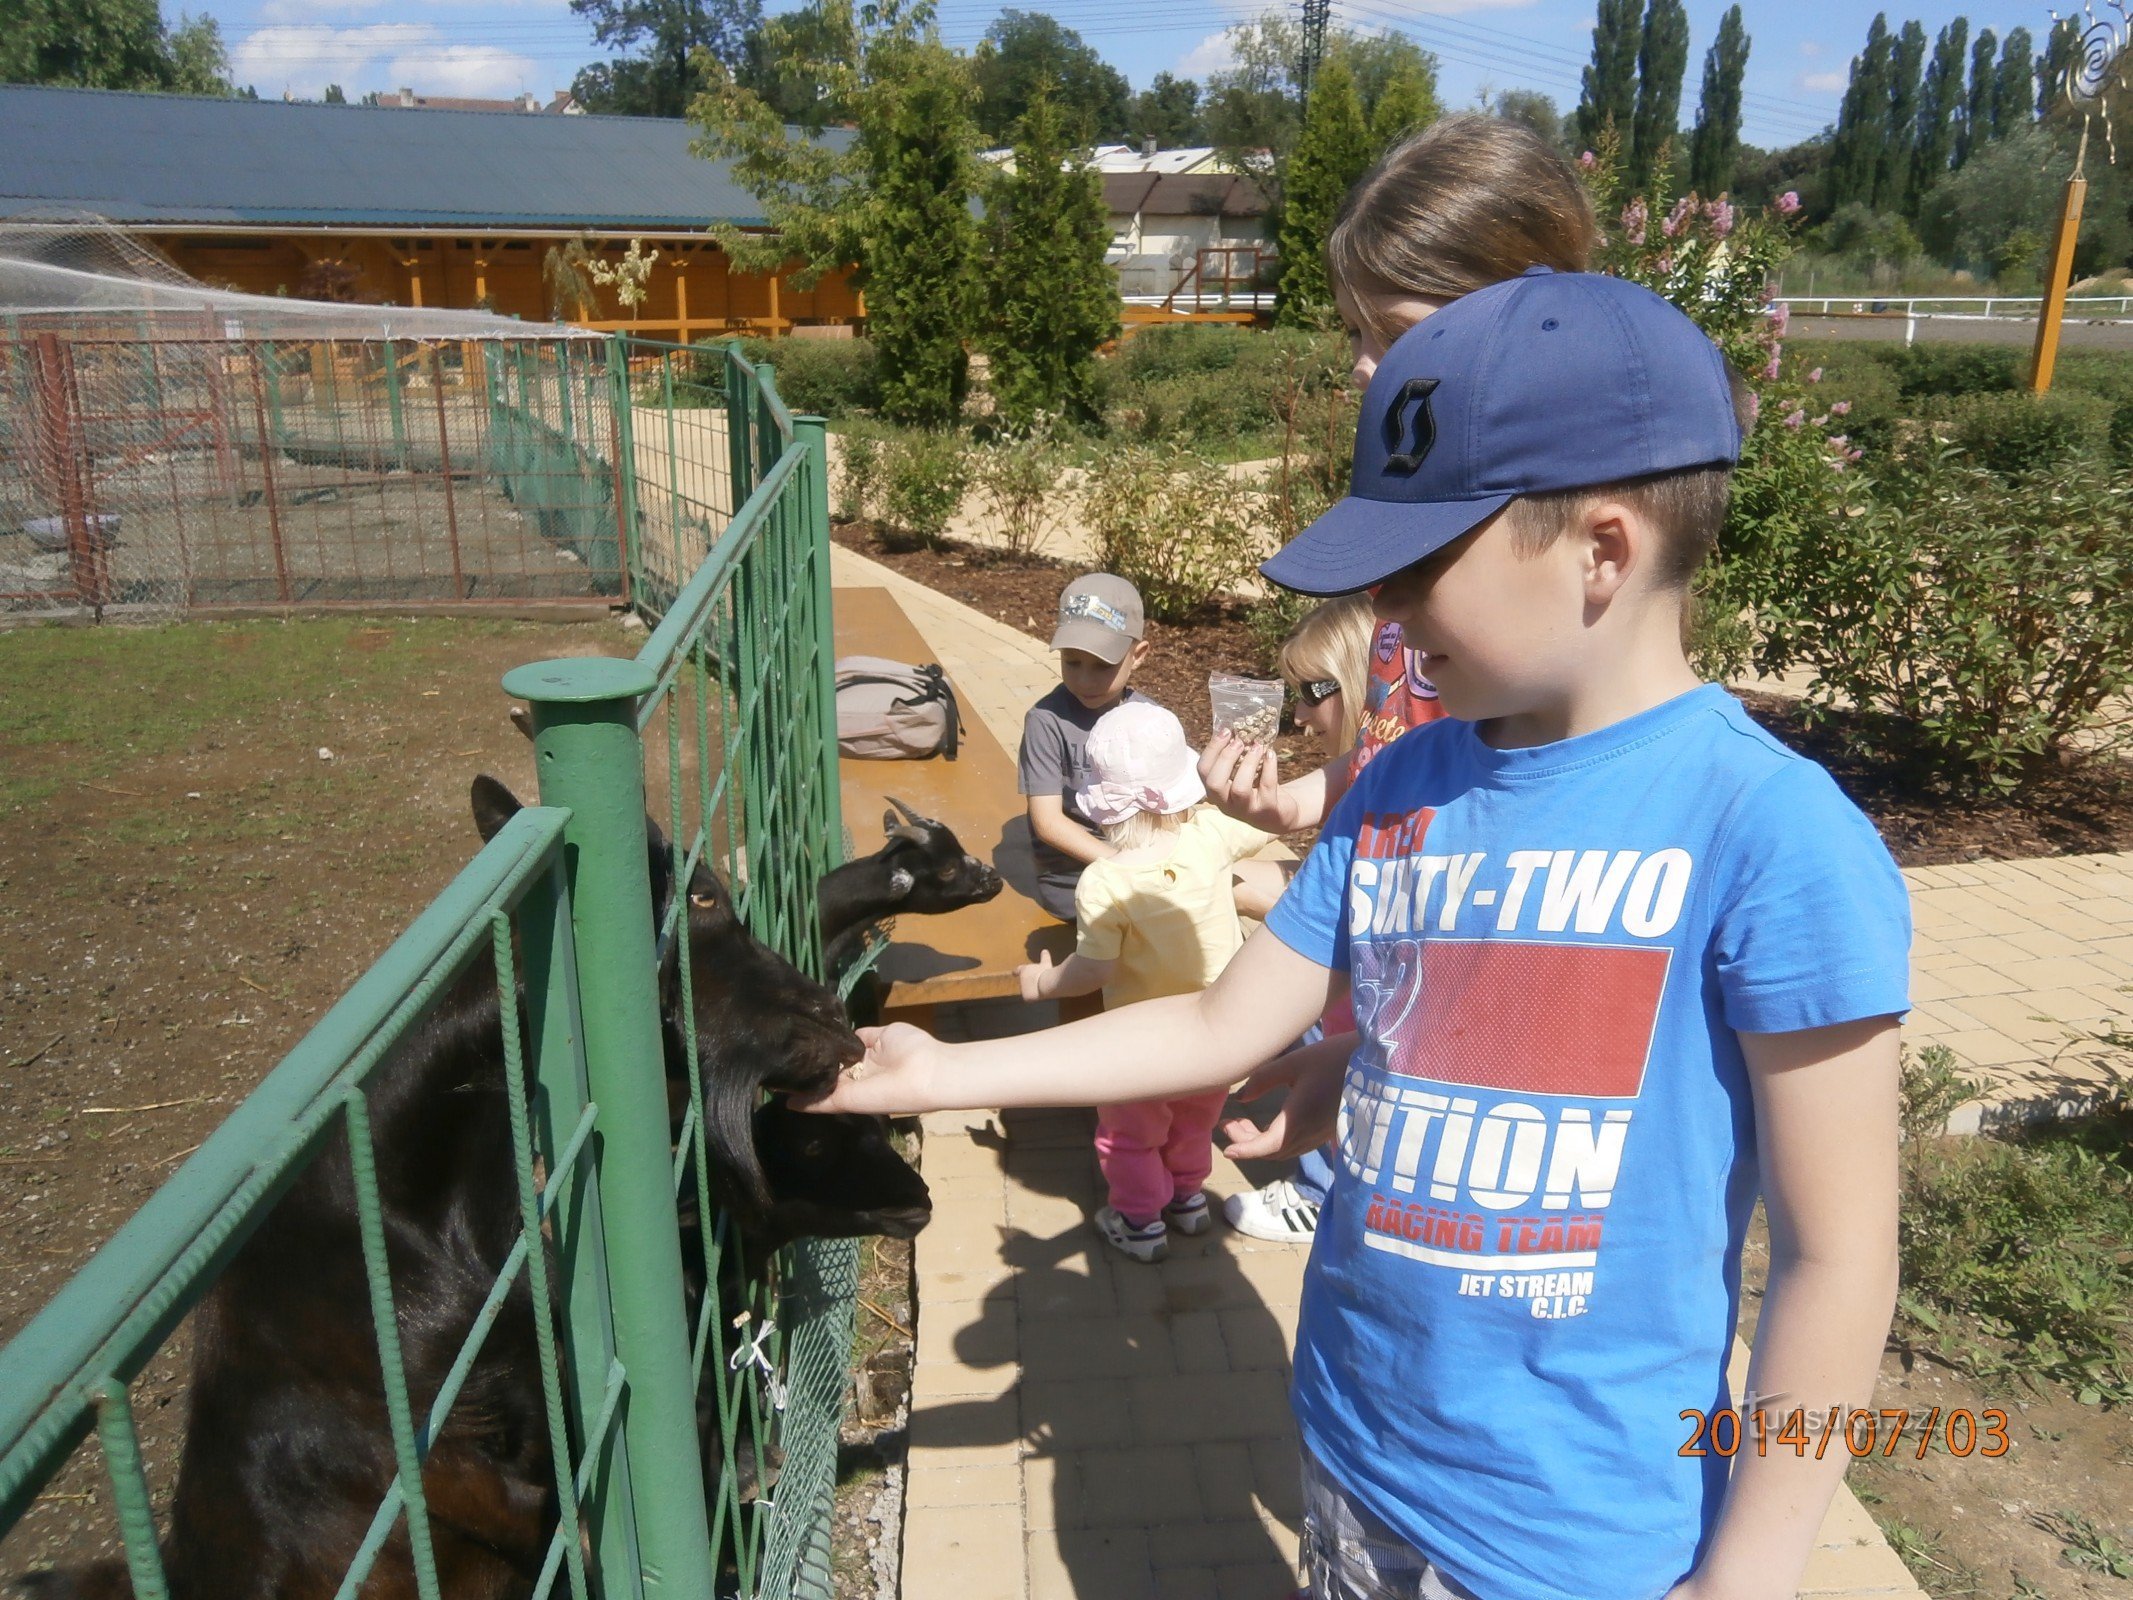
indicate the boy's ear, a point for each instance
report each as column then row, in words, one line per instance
column 1138, row 653
column 1617, row 542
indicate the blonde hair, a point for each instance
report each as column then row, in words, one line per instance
column 1333, row 641
column 1469, row 201
column 1143, row 828
column 1686, row 509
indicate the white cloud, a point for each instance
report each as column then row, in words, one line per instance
column 1211, row 54
column 303, row 58
column 1452, row 8
column 1811, row 48
column 1824, row 82
column 477, row 71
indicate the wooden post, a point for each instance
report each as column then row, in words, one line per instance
column 773, row 302
column 2053, row 311
column 681, row 297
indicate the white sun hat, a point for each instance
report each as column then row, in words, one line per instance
column 1139, row 761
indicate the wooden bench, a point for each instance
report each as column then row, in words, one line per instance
column 962, row 955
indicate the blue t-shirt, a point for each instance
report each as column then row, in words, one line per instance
column 1529, row 1264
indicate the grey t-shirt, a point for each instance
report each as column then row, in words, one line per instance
column 1055, row 739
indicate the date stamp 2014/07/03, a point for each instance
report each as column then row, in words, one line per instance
column 1803, row 1432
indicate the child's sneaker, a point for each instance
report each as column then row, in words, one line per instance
column 1190, row 1214
column 1276, row 1213
column 1145, row 1242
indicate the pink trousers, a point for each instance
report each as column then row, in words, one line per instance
column 1155, row 1151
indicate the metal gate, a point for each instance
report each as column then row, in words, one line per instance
column 724, row 724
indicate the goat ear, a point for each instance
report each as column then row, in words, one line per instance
column 888, row 824
column 900, row 883
column 494, row 805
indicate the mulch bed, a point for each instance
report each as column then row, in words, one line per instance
column 2075, row 810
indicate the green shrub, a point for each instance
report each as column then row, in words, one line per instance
column 859, row 455
column 1979, row 624
column 923, row 476
column 1017, row 478
column 1951, row 369
column 1175, row 525
column 1215, row 386
column 820, row 377
column 2025, row 1235
column 2020, row 432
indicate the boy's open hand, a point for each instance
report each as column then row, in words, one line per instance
column 1307, row 1118
column 891, row 1079
column 1034, row 976
column 1243, row 779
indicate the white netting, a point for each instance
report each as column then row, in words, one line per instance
column 166, row 447
column 78, row 271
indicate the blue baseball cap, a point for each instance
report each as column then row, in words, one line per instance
column 1547, row 381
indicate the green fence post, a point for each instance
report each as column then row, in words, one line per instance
column 827, row 847
column 590, row 760
column 740, row 426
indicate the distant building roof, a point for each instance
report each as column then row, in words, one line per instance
column 173, row 160
column 1139, row 158
column 1193, row 194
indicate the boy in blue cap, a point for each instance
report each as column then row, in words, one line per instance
column 1620, row 962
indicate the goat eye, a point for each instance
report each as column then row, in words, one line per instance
column 947, row 874
column 704, row 902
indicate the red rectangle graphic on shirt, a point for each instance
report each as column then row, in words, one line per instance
column 1564, row 1019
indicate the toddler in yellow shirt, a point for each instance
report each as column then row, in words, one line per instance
column 1157, row 918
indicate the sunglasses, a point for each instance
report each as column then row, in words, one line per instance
column 1318, row 691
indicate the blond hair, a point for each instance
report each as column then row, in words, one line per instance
column 1469, row 201
column 1333, row 641
column 1685, row 508
column 1140, row 828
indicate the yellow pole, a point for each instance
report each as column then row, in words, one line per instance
column 2061, row 270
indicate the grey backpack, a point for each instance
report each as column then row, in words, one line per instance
column 893, row 711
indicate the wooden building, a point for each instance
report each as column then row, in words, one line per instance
column 459, row 209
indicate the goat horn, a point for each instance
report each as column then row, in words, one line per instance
column 522, row 719
column 910, row 816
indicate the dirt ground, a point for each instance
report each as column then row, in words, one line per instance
column 2045, row 1516
column 206, row 832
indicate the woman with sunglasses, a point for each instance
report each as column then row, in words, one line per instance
column 1354, row 696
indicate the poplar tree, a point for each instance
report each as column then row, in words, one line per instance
column 1715, row 145
column 1053, row 300
column 1610, row 81
column 1977, row 118
column 1863, row 120
column 2014, row 90
column 2061, row 46
column 1893, row 190
column 1333, row 151
column 1662, row 60
column 1940, row 99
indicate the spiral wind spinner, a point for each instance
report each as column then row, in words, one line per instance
column 2097, row 63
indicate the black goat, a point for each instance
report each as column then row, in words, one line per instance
column 922, row 868
column 288, row 1450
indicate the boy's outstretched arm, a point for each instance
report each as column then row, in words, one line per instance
column 1159, row 1049
column 1825, row 1105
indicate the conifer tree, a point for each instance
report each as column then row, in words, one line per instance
column 1892, row 163
column 1662, row 60
column 1610, row 81
column 920, row 252
column 1333, row 150
column 1715, row 146
column 2014, row 93
column 1940, row 100
column 1408, row 103
column 1977, row 116
column 1053, row 300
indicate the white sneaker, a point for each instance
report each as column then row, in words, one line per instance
column 1192, row 1216
column 1150, row 1242
column 1276, row 1213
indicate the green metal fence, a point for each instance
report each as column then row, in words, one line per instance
column 723, row 724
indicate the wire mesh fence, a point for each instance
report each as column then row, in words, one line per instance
column 679, row 1404
column 157, row 475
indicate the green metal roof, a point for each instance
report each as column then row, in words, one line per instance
column 170, row 160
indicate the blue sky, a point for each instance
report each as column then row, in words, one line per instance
column 1796, row 69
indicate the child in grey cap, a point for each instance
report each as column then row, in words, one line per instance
column 1100, row 647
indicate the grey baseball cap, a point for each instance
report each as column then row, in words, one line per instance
column 1100, row 614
